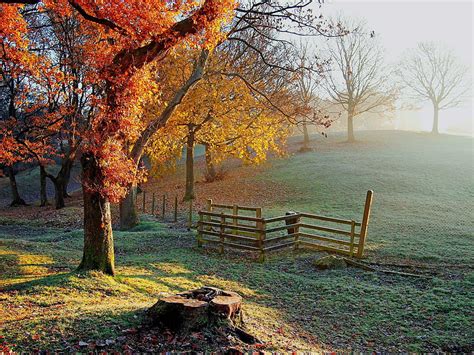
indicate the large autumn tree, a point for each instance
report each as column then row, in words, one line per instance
column 128, row 36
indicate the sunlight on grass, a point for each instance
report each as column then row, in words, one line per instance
column 171, row 268
column 12, row 262
column 226, row 284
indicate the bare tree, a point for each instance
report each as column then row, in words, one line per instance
column 358, row 81
column 308, row 84
column 432, row 73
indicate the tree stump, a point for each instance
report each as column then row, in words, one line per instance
column 196, row 309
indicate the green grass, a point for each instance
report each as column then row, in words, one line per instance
column 423, row 206
column 421, row 214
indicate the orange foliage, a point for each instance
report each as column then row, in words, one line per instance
column 126, row 36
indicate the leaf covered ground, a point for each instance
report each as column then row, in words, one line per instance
column 421, row 223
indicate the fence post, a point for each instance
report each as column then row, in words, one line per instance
column 190, row 215
column 261, row 234
column 365, row 223
column 209, row 209
column 143, row 204
column 351, row 251
column 235, row 212
column 153, row 204
column 163, row 210
column 199, row 229
column 297, row 232
column 176, row 208
column 221, row 232
column 294, row 220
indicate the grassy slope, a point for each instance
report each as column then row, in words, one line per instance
column 423, row 191
column 288, row 303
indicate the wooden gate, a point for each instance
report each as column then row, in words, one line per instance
column 225, row 226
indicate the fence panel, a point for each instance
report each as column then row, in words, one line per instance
column 295, row 229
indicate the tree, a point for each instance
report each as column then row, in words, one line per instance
column 27, row 126
column 308, row 83
column 358, row 81
column 55, row 45
column 156, row 115
column 253, row 22
column 65, row 41
column 432, row 73
column 128, row 36
column 225, row 116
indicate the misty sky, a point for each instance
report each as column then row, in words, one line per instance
column 402, row 24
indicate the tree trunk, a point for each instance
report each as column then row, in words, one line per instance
column 66, row 173
column 128, row 211
column 211, row 173
column 17, row 200
column 189, row 194
column 59, row 193
column 98, row 237
column 435, row 120
column 305, row 136
column 60, row 182
column 154, row 126
column 350, row 127
column 43, row 193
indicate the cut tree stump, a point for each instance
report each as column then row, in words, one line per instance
column 196, row 309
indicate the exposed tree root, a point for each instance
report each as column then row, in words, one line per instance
column 366, row 267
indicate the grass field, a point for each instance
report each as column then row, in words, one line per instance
column 422, row 218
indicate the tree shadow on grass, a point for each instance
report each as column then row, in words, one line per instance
column 53, row 280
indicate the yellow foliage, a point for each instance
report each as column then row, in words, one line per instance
column 220, row 111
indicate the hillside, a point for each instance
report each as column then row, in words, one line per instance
column 420, row 225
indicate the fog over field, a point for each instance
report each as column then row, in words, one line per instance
column 401, row 25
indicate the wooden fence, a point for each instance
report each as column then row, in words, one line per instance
column 227, row 227
column 146, row 199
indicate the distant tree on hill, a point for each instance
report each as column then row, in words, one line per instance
column 432, row 73
column 358, row 81
column 308, row 84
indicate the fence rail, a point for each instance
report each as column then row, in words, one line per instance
column 255, row 233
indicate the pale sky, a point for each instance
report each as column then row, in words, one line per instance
column 402, row 24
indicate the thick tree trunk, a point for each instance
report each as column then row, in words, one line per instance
column 98, row 237
column 305, row 136
column 128, row 211
column 43, row 193
column 211, row 173
column 435, row 130
column 350, row 128
column 189, row 193
column 16, row 199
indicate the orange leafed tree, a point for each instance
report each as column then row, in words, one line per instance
column 30, row 90
column 128, row 36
